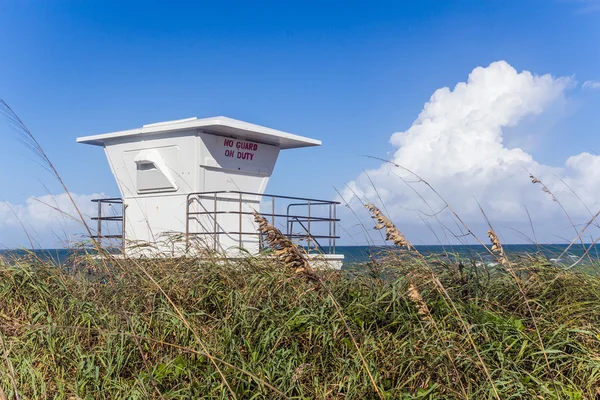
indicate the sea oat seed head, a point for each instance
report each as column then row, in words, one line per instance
column 283, row 247
column 422, row 308
column 391, row 232
column 497, row 246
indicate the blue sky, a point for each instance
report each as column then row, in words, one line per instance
column 348, row 73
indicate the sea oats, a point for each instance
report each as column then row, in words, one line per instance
column 391, row 232
column 545, row 189
column 283, row 247
column 422, row 309
column 497, row 246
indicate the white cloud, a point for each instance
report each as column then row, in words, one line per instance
column 456, row 145
column 591, row 85
column 50, row 220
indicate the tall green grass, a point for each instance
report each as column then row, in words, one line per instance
column 425, row 327
column 405, row 327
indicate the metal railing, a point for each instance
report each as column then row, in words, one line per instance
column 109, row 218
column 317, row 219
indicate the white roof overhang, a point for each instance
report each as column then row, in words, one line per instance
column 217, row 125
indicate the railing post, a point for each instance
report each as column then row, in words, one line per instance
column 308, row 229
column 272, row 210
column 288, row 223
column 240, row 231
column 272, row 215
column 329, row 242
column 187, row 223
column 215, row 222
column 123, row 227
column 99, row 229
column 334, row 225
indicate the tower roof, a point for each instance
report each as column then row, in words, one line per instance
column 217, row 125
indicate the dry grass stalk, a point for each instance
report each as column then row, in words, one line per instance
column 497, row 246
column 283, row 247
column 391, row 232
column 422, row 308
column 545, row 189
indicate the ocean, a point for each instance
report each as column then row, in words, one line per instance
column 359, row 254
column 552, row 252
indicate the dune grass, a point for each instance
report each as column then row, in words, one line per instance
column 170, row 328
column 402, row 327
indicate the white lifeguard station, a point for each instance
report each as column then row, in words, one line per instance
column 194, row 184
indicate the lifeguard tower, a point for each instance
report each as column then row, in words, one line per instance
column 192, row 185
